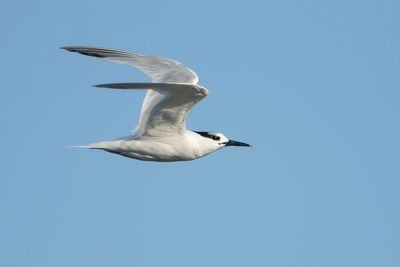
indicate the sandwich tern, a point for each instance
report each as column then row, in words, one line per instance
column 161, row 133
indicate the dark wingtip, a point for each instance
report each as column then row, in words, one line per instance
column 84, row 51
column 68, row 48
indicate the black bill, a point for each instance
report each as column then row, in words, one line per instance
column 235, row 143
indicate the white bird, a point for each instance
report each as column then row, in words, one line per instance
column 161, row 133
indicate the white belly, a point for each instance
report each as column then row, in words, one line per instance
column 181, row 148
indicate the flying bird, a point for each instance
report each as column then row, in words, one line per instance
column 161, row 133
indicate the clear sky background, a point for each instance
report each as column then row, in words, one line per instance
column 313, row 85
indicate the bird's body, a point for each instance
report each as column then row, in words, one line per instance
column 161, row 134
column 186, row 146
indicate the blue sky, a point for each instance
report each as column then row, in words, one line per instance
column 313, row 85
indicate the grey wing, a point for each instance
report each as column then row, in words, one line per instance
column 157, row 68
column 168, row 115
column 161, row 111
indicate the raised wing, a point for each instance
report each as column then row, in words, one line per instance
column 171, row 95
column 157, row 68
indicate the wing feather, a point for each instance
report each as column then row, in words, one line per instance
column 157, row 68
column 171, row 95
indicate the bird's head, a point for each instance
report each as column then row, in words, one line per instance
column 220, row 140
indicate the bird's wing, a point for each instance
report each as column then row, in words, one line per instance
column 171, row 95
column 168, row 114
column 158, row 69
